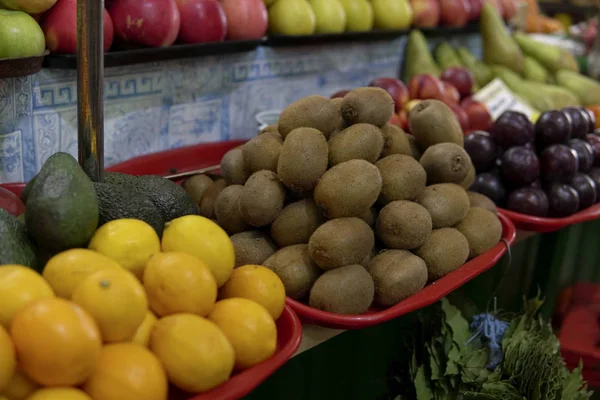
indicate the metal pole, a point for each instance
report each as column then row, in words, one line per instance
column 90, row 85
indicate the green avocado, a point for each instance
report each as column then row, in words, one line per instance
column 16, row 247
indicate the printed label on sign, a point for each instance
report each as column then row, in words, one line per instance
column 498, row 98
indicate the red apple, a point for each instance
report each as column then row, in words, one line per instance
column 395, row 120
column 247, row 19
column 426, row 86
column 426, row 13
column 395, row 88
column 60, row 28
column 153, row 23
column 480, row 118
column 475, row 9
column 339, row 93
column 201, row 21
column 403, row 117
column 451, row 94
column 454, row 12
column 461, row 78
column 461, row 115
column 509, row 9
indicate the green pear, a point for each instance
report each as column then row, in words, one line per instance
column 20, row 35
column 392, row 14
column 480, row 71
column 586, row 89
column 551, row 57
column 417, row 57
column 446, row 56
column 291, row 18
column 534, row 71
column 359, row 15
column 330, row 16
column 498, row 46
column 28, row 6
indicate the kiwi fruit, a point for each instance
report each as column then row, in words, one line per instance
column 403, row 225
column 340, row 242
column 415, row 151
column 262, row 198
column 345, row 290
column 482, row 228
column 348, row 190
column 370, row 216
column 370, row 105
column 367, row 260
column 268, row 128
column 252, row 248
column 207, row 204
column 262, row 152
column 446, row 250
column 395, row 141
column 227, row 210
column 402, row 176
column 446, row 163
column 316, row 112
column 295, row 268
column 447, row 203
column 196, row 186
column 469, row 179
column 337, row 102
column 303, row 159
column 357, row 142
column 397, row 274
column 481, row 201
column 432, row 122
column 296, row 223
column 233, row 167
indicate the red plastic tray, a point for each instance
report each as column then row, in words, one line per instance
column 544, row 225
column 429, row 295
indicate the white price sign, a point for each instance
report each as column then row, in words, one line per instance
column 498, row 98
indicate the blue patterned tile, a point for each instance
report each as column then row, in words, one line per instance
column 11, row 162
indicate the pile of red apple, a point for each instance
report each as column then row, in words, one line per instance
column 159, row 23
column 456, row 13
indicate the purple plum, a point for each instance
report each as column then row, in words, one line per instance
column 558, row 163
column 520, row 166
column 530, row 201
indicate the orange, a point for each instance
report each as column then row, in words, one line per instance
column 59, row 394
column 127, row 371
column 8, row 359
column 142, row 334
column 57, row 342
column 20, row 387
column 179, row 283
column 194, row 351
column 19, row 287
column 259, row 284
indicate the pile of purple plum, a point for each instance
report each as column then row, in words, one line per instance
column 550, row 169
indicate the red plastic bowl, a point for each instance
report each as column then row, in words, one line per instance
column 429, row 295
column 544, row 225
column 10, row 202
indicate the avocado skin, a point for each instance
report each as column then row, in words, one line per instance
column 26, row 190
column 16, row 247
column 62, row 208
column 117, row 202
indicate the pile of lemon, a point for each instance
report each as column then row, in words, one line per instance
column 133, row 313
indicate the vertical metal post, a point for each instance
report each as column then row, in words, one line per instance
column 90, row 85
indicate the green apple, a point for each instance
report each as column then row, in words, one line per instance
column 291, row 17
column 359, row 15
column 331, row 16
column 20, row 35
column 392, row 14
column 28, row 6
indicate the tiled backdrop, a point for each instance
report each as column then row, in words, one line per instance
column 157, row 106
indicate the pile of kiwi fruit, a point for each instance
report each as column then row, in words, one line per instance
column 348, row 210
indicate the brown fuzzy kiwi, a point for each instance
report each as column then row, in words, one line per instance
column 196, row 186
column 348, row 190
column 252, row 248
column 403, row 178
column 395, row 141
column 367, row 260
column 346, row 290
column 481, row 201
column 370, row 105
column 303, row 159
column 262, row 198
column 370, row 216
column 445, row 163
column 268, row 128
column 233, row 167
column 432, row 122
column 482, row 228
column 340, row 242
column 446, row 250
column 207, row 205
column 262, row 152
column 295, row 268
column 415, row 151
column 403, row 225
column 469, row 179
column 227, row 210
column 316, row 112
column 447, row 203
column 296, row 223
column 357, row 142
column 398, row 274
column 337, row 102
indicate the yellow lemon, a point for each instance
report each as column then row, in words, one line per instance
column 127, row 371
column 116, row 300
column 20, row 387
column 66, row 270
column 179, row 283
column 142, row 335
column 59, row 394
column 203, row 239
column 8, row 359
column 130, row 242
column 249, row 327
column 19, row 287
column 194, row 351
column 259, row 284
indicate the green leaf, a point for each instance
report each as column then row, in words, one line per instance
column 422, row 385
column 458, row 325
